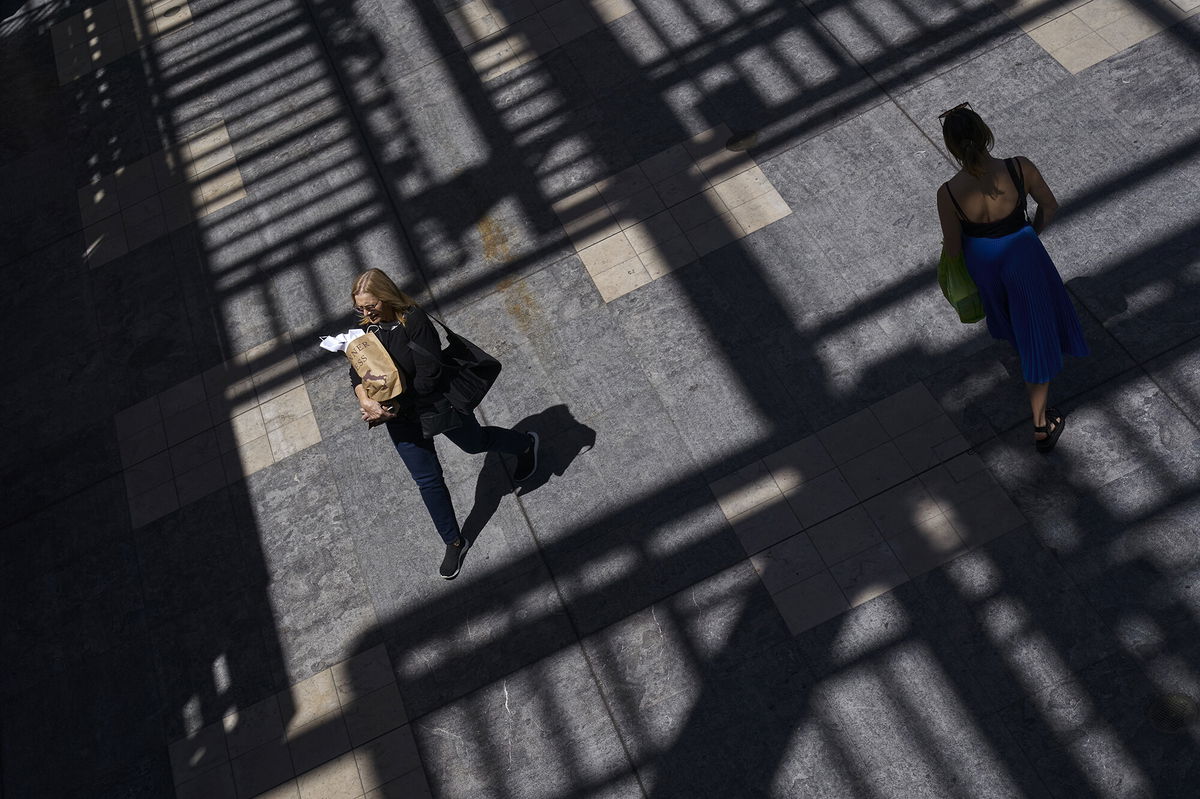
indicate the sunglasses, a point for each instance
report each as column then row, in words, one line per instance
column 955, row 108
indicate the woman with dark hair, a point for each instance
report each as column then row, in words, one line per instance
column 983, row 214
column 396, row 320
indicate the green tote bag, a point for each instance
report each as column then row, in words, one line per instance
column 959, row 289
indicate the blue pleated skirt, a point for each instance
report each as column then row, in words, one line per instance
column 1025, row 301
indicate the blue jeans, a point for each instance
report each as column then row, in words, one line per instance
column 422, row 461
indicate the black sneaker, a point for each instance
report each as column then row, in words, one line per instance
column 452, row 560
column 527, row 461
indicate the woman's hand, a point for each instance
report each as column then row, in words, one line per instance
column 372, row 411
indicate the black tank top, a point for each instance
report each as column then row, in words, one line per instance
column 1003, row 227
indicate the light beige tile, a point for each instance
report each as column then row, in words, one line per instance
column 606, row 254
column 201, row 481
column 183, row 395
column 611, row 10
column 216, row 783
column 637, row 207
column 248, row 459
column 621, row 279
column 667, row 256
column 412, row 785
column 1097, row 14
column 187, row 423
column 387, row 757
column 96, row 52
column 337, row 779
column 1187, row 5
column 985, row 516
column 926, row 545
column 285, row 408
column 207, row 150
column 288, row 790
column 470, row 11
column 262, row 357
column 743, row 187
column 745, row 489
column 625, row 183
column 1032, row 14
column 788, row 562
column 262, row 769
column 308, row 700
column 846, row 534
column 241, row 430
column 169, row 16
column 867, row 574
column 154, row 504
column 578, row 203
column 135, row 28
column 1083, row 53
column 653, row 231
column 1129, row 30
column 797, row 463
column 708, row 142
column 670, row 161
column 810, row 602
column 492, row 56
column 137, row 447
column 683, row 184
column 148, row 474
column 144, row 222
column 219, row 379
column 530, row 38
column 77, row 29
column 374, row 714
column 135, row 182
column 169, row 166
column 319, row 742
column 98, row 200
column 196, row 451
column 508, row 12
column 294, row 436
column 765, row 525
column 715, row 234
column 138, row 417
column 1060, row 32
column 761, row 211
column 275, row 375
column 591, row 228
column 568, row 20
column 197, row 753
column 220, row 186
column 250, row 727
column 362, row 674
column 233, row 400
column 898, row 509
column 104, row 241
column 698, row 209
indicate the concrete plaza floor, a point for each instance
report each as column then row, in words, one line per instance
column 789, row 537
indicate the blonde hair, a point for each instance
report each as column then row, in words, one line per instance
column 969, row 140
column 375, row 281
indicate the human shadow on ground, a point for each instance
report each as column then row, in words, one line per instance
column 563, row 438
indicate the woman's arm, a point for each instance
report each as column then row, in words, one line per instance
column 372, row 411
column 951, row 228
column 1035, row 184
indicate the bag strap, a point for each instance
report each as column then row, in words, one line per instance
column 1018, row 178
column 412, row 345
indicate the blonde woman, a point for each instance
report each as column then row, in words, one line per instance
column 983, row 214
column 397, row 320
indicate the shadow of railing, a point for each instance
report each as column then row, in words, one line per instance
column 327, row 191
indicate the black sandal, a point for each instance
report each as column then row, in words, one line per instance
column 1053, row 417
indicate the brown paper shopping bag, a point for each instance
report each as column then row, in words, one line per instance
column 380, row 377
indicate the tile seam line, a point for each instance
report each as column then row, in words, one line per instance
column 420, row 265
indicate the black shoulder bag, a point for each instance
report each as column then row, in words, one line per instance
column 472, row 371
